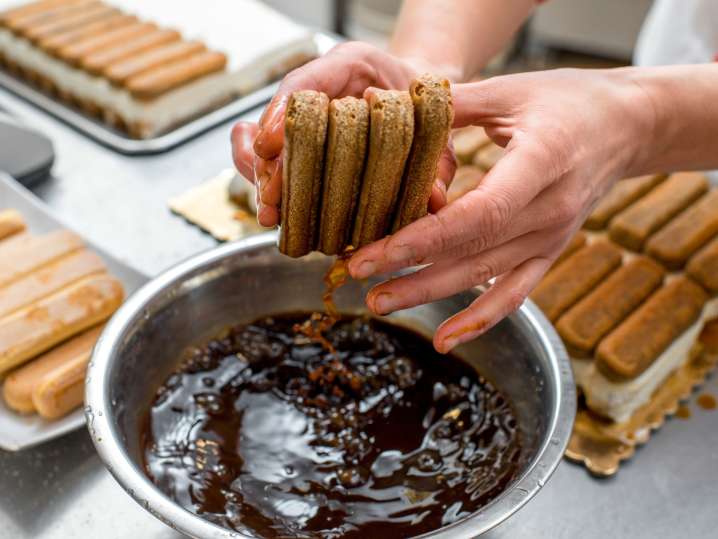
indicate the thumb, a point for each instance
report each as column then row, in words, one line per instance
column 484, row 102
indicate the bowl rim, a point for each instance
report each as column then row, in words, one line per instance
column 109, row 446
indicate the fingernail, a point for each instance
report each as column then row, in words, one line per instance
column 449, row 344
column 400, row 253
column 365, row 269
column 383, row 303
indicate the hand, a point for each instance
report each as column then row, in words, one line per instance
column 348, row 69
column 569, row 134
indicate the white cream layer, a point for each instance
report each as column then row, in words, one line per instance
column 250, row 65
column 619, row 400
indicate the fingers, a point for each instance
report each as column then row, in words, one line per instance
column 480, row 216
column 448, row 277
column 242, row 139
column 347, row 69
column 490, row 102
column 504, row 297
column 269, row 190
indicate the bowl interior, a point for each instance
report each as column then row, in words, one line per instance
column 194, row 305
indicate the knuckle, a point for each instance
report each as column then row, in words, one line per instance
column 515, row 298
column 566, row 208
column 496, row 214
column 481, row 271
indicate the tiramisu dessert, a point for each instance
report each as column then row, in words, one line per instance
column 147, row 67
column 630, row 312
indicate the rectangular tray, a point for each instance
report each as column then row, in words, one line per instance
column 118, row 141
column 18, row 431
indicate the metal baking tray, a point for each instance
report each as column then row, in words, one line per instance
column 119, row 141
column 21, row 431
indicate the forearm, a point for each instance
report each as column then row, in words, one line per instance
column 684, row 104
column 456, row 38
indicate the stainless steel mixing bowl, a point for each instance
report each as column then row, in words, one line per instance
column 242, row 281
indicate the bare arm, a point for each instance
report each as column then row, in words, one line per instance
column 456, row 38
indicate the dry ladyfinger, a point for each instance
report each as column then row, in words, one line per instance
column 98, row 61
column 11, row 222
column 633, row 226
column 75, row 52
column 133, row 66
column 433, row 116
column 575, row 277
column 305, row 131
column 586, row 323
column 37, row 328
column 467, row 141
column 54, row 43
column 49, row 279
column 577, row 241
column 684, row 235
column 622, row 194
column 21, row 383
column 21, row 257
column 343, row 167
column 633, row 346
column 391, row 129
column 62, row 25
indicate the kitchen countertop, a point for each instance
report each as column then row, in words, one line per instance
column 61, row 489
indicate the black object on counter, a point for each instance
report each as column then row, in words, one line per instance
column 25, row 154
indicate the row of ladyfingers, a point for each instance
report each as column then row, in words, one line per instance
column 356, row 169
column 625, row 310
column 137, row 75
column 54, row 297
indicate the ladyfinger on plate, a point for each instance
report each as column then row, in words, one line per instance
column 466, row 178
column 684, row 235
column 468, row 141
column 644, row 335
column 21, row 383
column 703, row 266
column 19, row 23
column 173, row 51
column 575, row 277
column 621, row 195
column 49, row 279
column 634, row 225
column 391, row 129
column 488, row 156
column 38, row 327
column 11, row 222
column 70, row 23
column 305, row 130
column 589, row 320
column 75, row 52
column 433, row 116
column 20, row 258
column 343, row 168
column 98, row 61
column 26, row 10
column 52, row 44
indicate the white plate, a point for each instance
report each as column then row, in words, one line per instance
column 18, row 431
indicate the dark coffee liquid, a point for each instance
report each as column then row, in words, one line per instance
column 264, row 430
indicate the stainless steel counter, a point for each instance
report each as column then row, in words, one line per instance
column 61, row 490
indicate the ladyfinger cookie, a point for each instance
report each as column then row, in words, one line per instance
column 391, row 129
column 305, row 131
column 467, row 141
column 167, row 77
column 11, row 222
column 684, row 235
column 98, row 61
column 28, row 9
column 69, row 23
column 488, row 156
column 633, row 226
column 49, row 279
column 343, row 167
column 37, row 328
column 644, row 335
column 466, row 178
column 587, row 322
column 619, row 197
column 63, row 389
column 75, row 52
column 433, row 116
column 577, row 241
column 575, row 277
column 53, row 43
column 19, row 22
column 119, row 73
column 21, row 383
column 20, row 258
column 703, row 266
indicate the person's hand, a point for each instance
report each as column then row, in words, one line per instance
column 347, row 70
column 569, row 134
